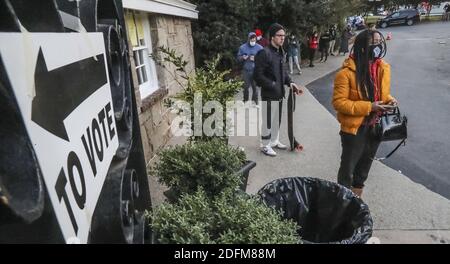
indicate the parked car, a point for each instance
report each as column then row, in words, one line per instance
column 406, row 16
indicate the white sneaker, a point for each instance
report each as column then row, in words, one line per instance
column 249, row 104
column 268, row 151
column 255, row 105
column 278, row 145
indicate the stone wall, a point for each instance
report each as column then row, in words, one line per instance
column 155, row 118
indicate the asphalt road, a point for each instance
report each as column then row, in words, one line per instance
column 420, row 80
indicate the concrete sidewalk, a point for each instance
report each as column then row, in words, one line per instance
column 403, row 211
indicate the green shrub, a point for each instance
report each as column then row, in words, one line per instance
column 187, row 222
column 211, row 165
column 208, row 83
column 246, row 220
column 227, row 219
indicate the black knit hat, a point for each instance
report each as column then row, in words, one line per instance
column 274, row 28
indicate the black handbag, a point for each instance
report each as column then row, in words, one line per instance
column 392, row 126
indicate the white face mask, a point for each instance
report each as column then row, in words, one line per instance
column 252, row 43
column 258, row 38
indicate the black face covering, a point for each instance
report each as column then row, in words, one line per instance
column 375, row 51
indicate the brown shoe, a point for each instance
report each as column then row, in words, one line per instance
column 357, row 191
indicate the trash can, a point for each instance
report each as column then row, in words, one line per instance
column 325, row 212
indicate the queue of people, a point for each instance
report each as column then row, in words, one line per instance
column 324, row 42
column 292, row 54
column 361, row 91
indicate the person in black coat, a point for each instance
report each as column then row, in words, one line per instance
column 324, row 46
column 272, row 76
column 333, row 36
column 345, row 38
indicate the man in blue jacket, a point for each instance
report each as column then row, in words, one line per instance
column 246, row 56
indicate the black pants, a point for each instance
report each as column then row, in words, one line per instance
column 324, row 51
column 312, row 54
column 358, row 152
column 249, row 82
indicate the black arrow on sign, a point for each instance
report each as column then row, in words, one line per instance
column 60, row 91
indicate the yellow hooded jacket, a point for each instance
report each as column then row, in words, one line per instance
column 348, row 101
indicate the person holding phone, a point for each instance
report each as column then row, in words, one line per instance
column 246, row 56
column 361, row 95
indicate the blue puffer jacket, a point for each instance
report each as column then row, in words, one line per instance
column 248, row 50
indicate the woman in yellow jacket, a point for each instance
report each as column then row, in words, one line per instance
column 361, row 95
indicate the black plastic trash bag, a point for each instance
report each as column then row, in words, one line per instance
column 325, row 211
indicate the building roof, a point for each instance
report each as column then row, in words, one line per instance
column 167, row 7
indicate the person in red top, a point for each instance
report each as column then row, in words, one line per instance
column 260, row 39
column 313, row 43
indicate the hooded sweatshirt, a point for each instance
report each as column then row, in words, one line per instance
column 247, row 49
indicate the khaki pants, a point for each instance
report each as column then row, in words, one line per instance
column 332, row 44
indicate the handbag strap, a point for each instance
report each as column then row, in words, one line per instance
column 392, row 152
column 394, row 111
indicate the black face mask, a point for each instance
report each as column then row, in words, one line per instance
column 375, row 51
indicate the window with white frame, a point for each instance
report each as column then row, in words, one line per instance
column 139, row 31
column 139, row 54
